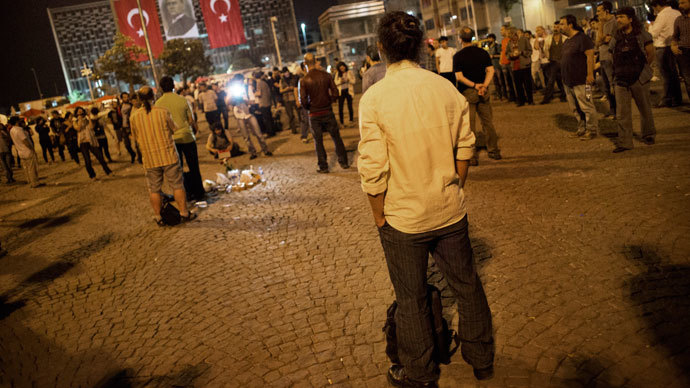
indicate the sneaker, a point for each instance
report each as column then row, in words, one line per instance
column 268, row 153
column 322, row 171
column 344, row 166
column 252, row 157
column 577, row 134
column 305, row 141
column 648, row 140
column 620, row 149
column 588, row 136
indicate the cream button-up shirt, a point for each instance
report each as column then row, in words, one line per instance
column 662, row 28
column 414, row 125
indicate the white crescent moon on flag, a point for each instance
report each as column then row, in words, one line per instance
column 212, row 4
column 133, row 12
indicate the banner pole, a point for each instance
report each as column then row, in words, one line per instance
column 148, row 46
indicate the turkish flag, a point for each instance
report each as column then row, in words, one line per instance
column 129, row 20
column 223, row 22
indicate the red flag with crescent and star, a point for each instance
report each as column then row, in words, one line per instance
column 223, row 22
column 130, row 24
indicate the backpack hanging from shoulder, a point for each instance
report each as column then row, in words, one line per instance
column 446, row 341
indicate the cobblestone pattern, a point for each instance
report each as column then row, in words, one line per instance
column 584, row 257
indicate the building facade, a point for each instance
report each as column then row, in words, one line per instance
column 84, row 32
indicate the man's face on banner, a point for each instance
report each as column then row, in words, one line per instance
column 175, row 7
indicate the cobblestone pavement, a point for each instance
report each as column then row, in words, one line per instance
column 584, row 255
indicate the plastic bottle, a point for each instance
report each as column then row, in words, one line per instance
column 261, row 174
column 588, row 92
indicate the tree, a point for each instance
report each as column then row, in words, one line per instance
column 187, row 58
column 77, row 95
column 120, row 61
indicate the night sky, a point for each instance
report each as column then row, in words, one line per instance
column 28, row 42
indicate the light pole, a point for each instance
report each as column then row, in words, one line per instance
column 40, row 94
column 86, row 72
column 304, row 33
column 275, row 40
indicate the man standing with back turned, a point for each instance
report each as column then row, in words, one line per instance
column 414, row 156
column 317, row 92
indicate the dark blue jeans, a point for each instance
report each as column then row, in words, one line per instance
column 327, row 123
column 407, row 258
column 188, row 151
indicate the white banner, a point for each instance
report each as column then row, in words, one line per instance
column 178, row 19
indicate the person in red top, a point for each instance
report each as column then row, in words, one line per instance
column 506, row 69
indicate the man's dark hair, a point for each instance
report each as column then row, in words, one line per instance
column 507, row 25
column 400, row 36
column 373, row 53
column 608, row 7
column 466, row 35
column 13, row 120
column 94, row 111
column 443, row 39
column 630, row 13
column 54, row 112
column 146, row 96
column 285, row 69
column 492, row 35
column 275, row 68
column 572, row 20
column 660, row 3
column 431, row 46
column 123, row 93
column 167, row 84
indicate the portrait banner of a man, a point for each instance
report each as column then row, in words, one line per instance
column 178, row 19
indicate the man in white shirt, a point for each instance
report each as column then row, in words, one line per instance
column 537, row 55
column 414, row 156
column 662, row 33
column 25, row 150
column 444, row 60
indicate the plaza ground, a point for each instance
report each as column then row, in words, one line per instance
column 584, row 255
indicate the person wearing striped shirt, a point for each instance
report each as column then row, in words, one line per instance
column 153, row 128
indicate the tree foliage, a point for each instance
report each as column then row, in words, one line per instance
column 507, row 5
column 187, row 58
column 120, row 61
column 77, row 95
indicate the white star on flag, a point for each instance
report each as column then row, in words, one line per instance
column 223, row 18
column 140, row 32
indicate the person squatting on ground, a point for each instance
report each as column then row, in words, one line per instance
column 633, row 53
column 414, row 157
column 153, row 128
column 680, row 42
column 345, row 82
column 246, row 121
column 87, row 142
column 474, row 71
column 25, row 151
column 577, row 67
column 317, row 93
column 220, row 140
column 185, row 142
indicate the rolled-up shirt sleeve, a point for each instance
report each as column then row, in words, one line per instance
column 465, row 144
column 373, row 164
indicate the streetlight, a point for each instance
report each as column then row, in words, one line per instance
column 304, row 33
column 37, row 85
column 275, row 40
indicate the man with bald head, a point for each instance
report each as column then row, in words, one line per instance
column 317, row 92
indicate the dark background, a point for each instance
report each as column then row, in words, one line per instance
column 27, row 41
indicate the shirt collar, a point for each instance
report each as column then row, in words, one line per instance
column 397, row 66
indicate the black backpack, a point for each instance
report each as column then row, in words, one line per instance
column 169, row 213
column 445, row 341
